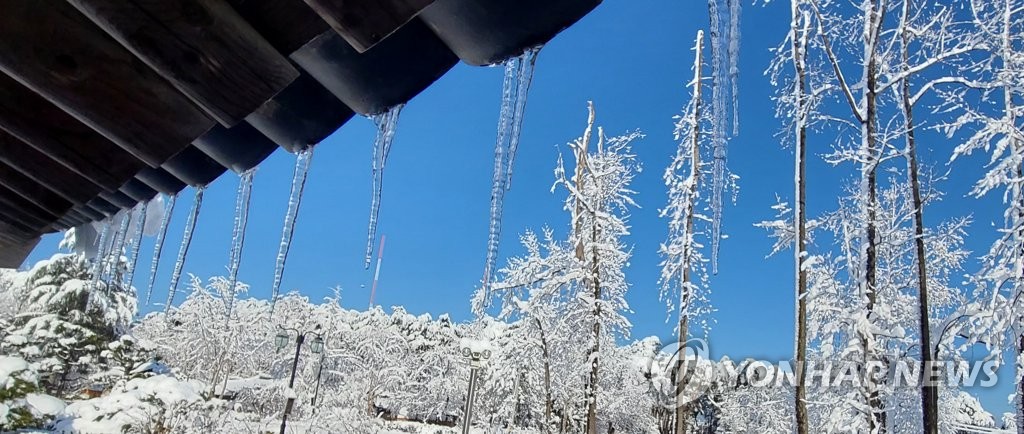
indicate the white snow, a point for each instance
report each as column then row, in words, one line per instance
column 8, row 367
column 45, row 404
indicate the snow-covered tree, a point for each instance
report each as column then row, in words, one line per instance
column 65, row 322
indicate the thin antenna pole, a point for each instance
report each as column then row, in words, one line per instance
column 376, row 274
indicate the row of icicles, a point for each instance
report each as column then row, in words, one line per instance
column 110, row 244
column 515, row 88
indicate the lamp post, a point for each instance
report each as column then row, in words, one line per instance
column 281, row 341
column 477, row 360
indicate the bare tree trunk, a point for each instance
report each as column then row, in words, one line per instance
column 682, row 417
column 868, row 119
column 798, row 37
column 547, row 377
column 592, row 355
column 929, row 392
column 874, row 13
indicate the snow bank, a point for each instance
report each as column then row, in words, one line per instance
column 8, row 367
column 45, row 404
column 142, row 402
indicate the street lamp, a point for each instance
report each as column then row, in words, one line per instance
column 281, row 341
column 477, row 359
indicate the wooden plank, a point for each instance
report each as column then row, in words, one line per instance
column 193, row 167
column 160, row 180
column 203, row 47
column 286, row 24
column 23, row 210
column 91, row 212
column 105, row 208
column 364, row 23
column 301, row 115
column 137, row 190
column 45, row 127
column 13, row 226
column 45, row 171
column 394, row 72
column 34, row 192
column 54, row 50
column 12, row 255
column 119, row 199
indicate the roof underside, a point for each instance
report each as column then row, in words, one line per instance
column 105, row 103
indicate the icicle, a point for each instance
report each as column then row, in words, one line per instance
column 302, row 161
column 186, row 241
column 101, row 247
column 136, row 241
column 524, row 77
column 734, row 62
column 158, row 245
column 238, row 234
column 724, row 56
column 387, row 123
column 116, row 248
column 515, row 89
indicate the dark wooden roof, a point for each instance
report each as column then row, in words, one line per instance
column 105, row 103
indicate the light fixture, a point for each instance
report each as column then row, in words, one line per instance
column 317, row 345
column 281, row 340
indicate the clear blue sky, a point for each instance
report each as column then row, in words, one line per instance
column 632, row 58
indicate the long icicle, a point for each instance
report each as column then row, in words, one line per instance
column 724, row 53
column 302, row 162
column 524, row 78
column 238, row 234
column 514, row 91
column 136, row 242
column 117, row 248
column 386, row 122
column 101, row 247
column 186, row 242
column 158, row 245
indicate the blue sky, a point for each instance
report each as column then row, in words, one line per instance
column 632, row 58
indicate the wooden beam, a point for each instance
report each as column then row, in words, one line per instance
column 23, row 210
column 91, row 213
column 303, row 114
column 45, row 171
column 203, row 47
column 193, row 167
column 364, row 23
column 12, row 255
column 51, row 48
column 394, row 72
column 13, row 224
column 119, row 199
column 105, row 208
column 45, row 127
column 137, row 190
column 161, row 180
column 33, row 192
column 287, row 24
